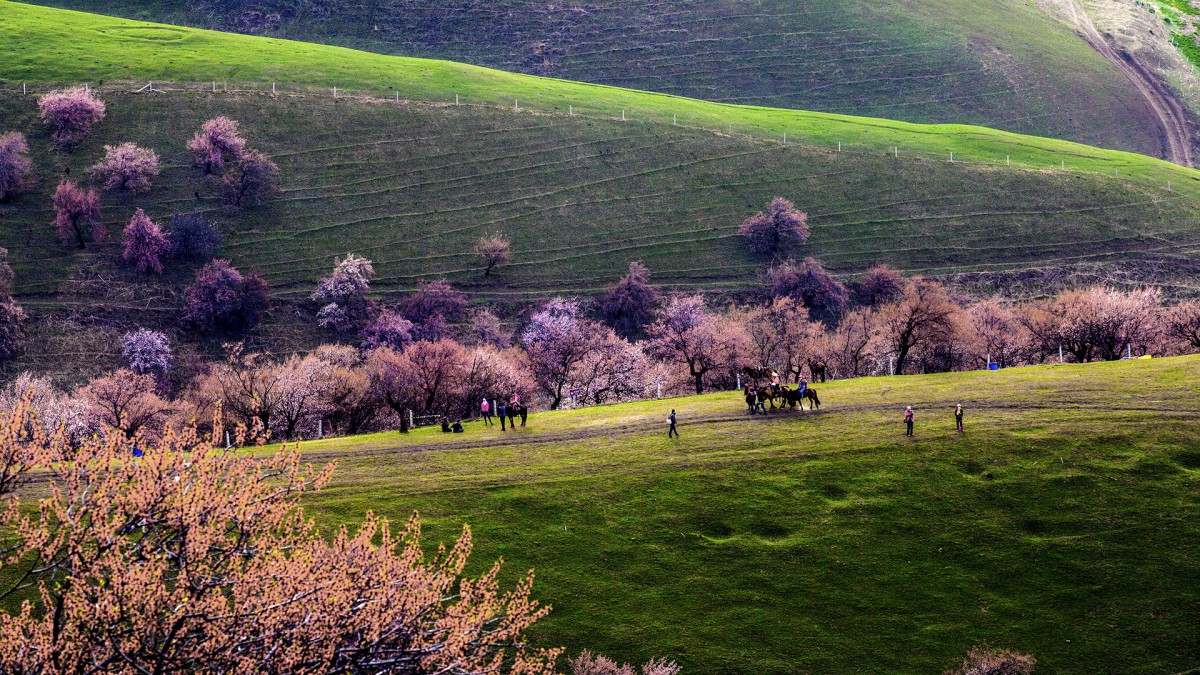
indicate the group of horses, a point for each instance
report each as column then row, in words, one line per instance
column 787, row 396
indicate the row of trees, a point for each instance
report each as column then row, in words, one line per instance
column 563, row 355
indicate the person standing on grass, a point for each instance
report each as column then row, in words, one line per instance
column 908, row 420
column 485, row 409
column 958, row 419
column 672, row 431
column 500, row 411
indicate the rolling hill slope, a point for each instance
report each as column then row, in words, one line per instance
column 1005, row 64
column 413, row 184
column 1063, row 523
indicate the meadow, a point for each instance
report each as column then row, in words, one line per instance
column 1005, row 65
column 1062, row 523
column 414, row 186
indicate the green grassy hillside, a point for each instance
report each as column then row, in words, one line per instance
column 1063, row 523
column 412, row 184
column 1001, row 64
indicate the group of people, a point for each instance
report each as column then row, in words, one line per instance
column 910, row 418
column 507, row 412
column 758, row 404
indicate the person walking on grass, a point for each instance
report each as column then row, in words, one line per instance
column 500, row 412
column 908, row 421
column 485, row 409
column 672, row 431
column 958, row 419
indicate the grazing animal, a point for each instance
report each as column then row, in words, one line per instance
column 817, row 368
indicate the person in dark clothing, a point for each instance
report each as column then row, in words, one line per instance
column 501, row 411
column 958, row 419
column 524, row 413
column 457, row 427
column 445, row 426
column 672, row 431
column 908, row 420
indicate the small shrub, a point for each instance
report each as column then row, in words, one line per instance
column 496, row 251
column 70, row 115
column 988, row 661
column 193, row 238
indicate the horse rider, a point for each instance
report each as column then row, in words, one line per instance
column 803, row 386
column 775, row 383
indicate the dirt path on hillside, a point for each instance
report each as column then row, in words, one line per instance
column 739, row 417
column 1171, row 114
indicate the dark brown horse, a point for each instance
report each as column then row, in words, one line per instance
column 817, row 368
column 793, row 397
column 756, row 373
column 767, row 394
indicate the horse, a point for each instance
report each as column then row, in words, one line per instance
column 756, row 373
column 766, row 394
column 817, row 368
column 794, row 397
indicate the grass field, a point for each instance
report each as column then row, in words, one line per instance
column 1063, row 523
column 1000, row 64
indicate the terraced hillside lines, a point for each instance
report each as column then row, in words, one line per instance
column 1003, row 64
column 42, row 45
column 413, row 187
column 1062, row 523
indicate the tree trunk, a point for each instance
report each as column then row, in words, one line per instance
column 699, row 382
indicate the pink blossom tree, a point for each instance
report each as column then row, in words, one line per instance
column 252, row 181
column 485, row 329
column 880, row 285
column 689, row 335
column 126, row 401
column 126, row 167
column 629, row 306
column 200, row 560
column 145, row 244
column 77, row 214
column 12, row 335
column 16, row 169
column 495, row 250
column 70, row 114
column 216, row 144
column 387, row 329
column 147, row 351
column 556, row 340
column 777, row 230
column 342, row 295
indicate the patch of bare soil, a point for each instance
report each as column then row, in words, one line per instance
column 1138, row 45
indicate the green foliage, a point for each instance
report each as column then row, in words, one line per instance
column 1006, row 65
column 1062, row 524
